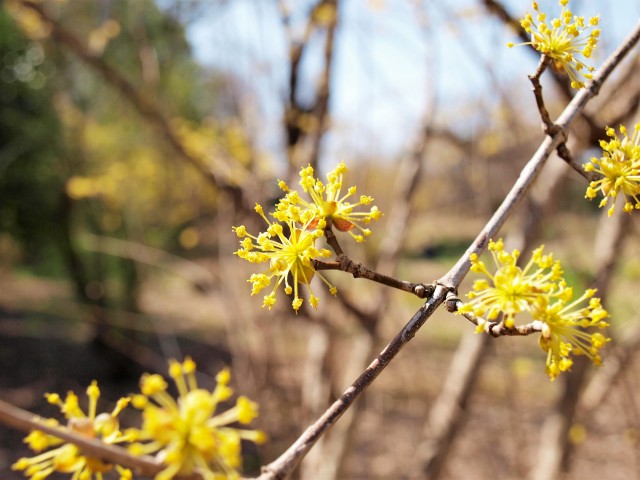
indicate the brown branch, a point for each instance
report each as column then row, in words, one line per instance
column 332, row 240
column 26, row 421
column 283, row 466
column 358, row 270
column 493, row 328
column 549, row 127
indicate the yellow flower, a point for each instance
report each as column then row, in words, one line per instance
column 620, row 170
column 327, row 202
column 540, row 290
column 563, row 40
column 67, row 458
column 511, row 289
column 563, row 331
column 289, row 255
column 186, row 434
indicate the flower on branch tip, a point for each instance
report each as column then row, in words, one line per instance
column 289, row 253
column 563, row 39
column 185, row 433
column 67, row 457
column 327, row 203
column 563, row 330
column 619, row 166
column 540, row 290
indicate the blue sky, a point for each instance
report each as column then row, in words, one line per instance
column 390, row 56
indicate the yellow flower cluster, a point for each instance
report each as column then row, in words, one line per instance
column 289, row 244
column 67, row 458
column 539, row 289
column 186, row 434
column 327, row 203
column 620, row 170
column 562, row 40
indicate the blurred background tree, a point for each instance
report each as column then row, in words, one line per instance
column 135, row 133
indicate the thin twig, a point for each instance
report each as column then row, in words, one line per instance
column 494, row 328
column 549, row 126
column 358, row 270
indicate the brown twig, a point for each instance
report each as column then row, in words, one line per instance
column 140, row 465
column 549, row 127
column 358, row 270
column 493, row 328
column 26, row 421
column 495, row 7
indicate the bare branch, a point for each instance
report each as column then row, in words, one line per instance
column 26, row 421
column 358, row 270
column 283, row 466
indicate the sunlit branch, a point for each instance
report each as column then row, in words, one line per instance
column 358, row 270
column 283, row 466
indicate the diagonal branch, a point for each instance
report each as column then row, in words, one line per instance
column 283, row 466
column 358, row 270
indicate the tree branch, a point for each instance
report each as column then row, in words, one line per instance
column 358, row 270
column 283, row 466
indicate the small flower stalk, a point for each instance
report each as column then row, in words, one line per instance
column 538, row 289
column 66, row 457
column 289, row 243
column 188, row 434
column 564, row 40
column 619, row 166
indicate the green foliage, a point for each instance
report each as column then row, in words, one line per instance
column 31, row 183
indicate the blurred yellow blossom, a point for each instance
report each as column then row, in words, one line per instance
column 619, row 166
column 185, row 433
column 67, row 458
